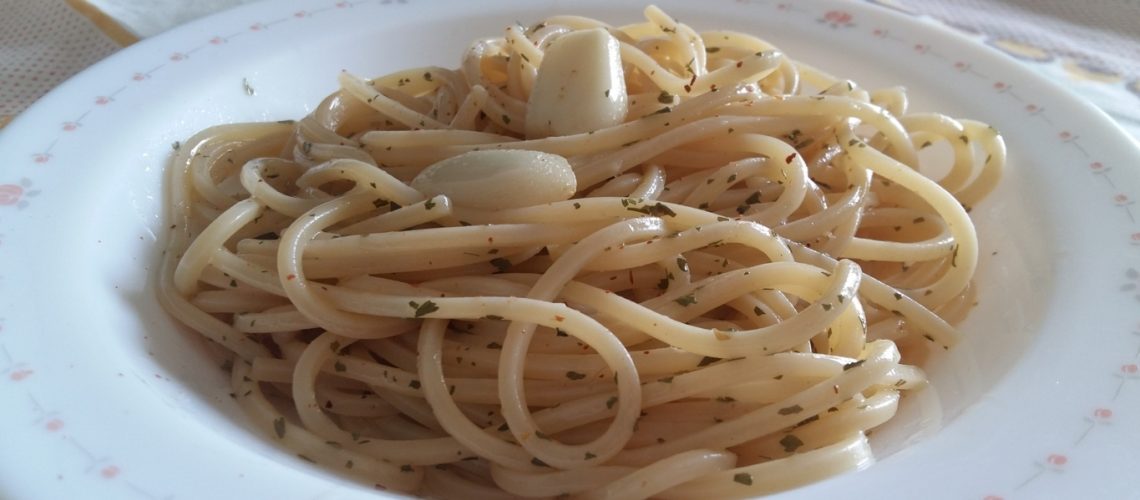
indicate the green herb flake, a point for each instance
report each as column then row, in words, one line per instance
column 506, row 120
column 658, row 210
column 558, row 332
column 423, row 309
column 611, row 402
column 743, row 478
column 430, row 204
column 590, row 456
column 686, row 300
column 494, row 345
column 501, row 264
column 790, row 410
column 853, row 364
column 712, row 50
column 414, row 384
column 338, row 366
column 791, row 443
column 406, row 468
column 683, row 264
column 665, row 98
column 427, row 76
column 808, row 420
column 707, row 360
column 279, row 427
column 573, row 375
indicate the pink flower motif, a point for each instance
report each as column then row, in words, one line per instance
column 783, row 6
column 1102, row 414
column 1096, row 166
column 19, row 375
column 41, row 157
column 342, row 5
column 837, row 18
column 256, row 27
column 1032, row 108
column 217, row 40
column 103, row 100
column 70, row 126
column 10, row 194
column 1065, row 135
column 109, row 471
column 1129, row 369
column 993, row 497
column 177, row 56
column 1122, row 199
column 921, row 48
column 54, row 424
column 1000, row 86
column 1135, row 238
column 300, row 14
column 1057, row 460
column 962, row 65
column 138, row 77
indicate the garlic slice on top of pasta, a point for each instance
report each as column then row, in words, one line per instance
column 499, row 179
column 580, row 86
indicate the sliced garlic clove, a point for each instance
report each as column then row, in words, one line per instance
column 499, row 179
column 580, row 86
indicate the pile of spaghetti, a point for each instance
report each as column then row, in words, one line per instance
column 597, row 261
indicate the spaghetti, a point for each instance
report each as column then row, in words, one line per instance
column 596, row 261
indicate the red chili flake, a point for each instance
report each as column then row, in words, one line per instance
column 291, row 277
column 790, row 158
column 739, row 63
column 559, row 318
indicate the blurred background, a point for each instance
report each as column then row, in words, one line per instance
column 1091, row 47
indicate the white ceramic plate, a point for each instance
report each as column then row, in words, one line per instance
column 101, row 395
